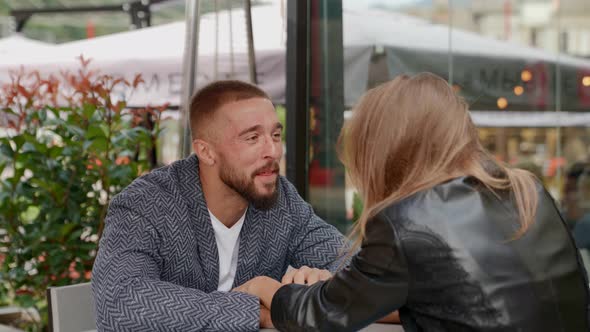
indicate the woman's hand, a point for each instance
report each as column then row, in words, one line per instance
column 262, row 287
column 305, row 276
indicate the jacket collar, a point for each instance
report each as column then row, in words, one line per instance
column 251, row 234
column 200, row 221
column 251, row 238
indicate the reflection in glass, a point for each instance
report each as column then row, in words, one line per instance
column 522, row 66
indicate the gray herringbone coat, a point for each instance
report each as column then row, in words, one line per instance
column 157, row 266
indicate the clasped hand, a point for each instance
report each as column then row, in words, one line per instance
column 265, row 287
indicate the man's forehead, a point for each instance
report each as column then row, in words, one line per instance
column 247, row 104
column 249, row 110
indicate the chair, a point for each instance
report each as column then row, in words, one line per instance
column 71, row 308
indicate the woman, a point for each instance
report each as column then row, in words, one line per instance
column 450, row 238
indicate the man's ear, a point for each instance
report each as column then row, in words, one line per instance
column 204, row 152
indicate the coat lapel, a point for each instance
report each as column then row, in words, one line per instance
column 200, row 223
column 251, row 238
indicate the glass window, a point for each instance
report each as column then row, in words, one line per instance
column 522, row 66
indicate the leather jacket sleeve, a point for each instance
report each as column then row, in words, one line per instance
column 375, row 284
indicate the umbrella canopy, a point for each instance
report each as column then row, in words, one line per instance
column 484, row 69
column 157, row 53
column 18, row 45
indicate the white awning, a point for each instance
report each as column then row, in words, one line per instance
column 530, row 119
column 524, row 119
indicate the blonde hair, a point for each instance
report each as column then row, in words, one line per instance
column 412, row 133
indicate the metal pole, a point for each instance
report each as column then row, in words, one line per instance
column 191, row 51
column 327, row 97
column 231, row 39
column 297, row 96
column 451, row 69
column 23, row 15
column 216, row 54
column 558, row 78
column 251, row 55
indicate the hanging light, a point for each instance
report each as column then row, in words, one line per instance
column 518, row 90
column 586, row 80
column 502, row 103
column 526, row 75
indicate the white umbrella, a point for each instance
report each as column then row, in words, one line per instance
column 18, row 45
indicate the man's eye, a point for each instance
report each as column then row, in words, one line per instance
column 252, row 138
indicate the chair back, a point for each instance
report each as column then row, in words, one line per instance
column 71, row 308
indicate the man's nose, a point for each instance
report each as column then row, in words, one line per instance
column 272, row 149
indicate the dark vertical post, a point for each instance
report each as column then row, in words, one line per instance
column 297, row 98
column 251, row 54
column 191, row 52
column 326, row 173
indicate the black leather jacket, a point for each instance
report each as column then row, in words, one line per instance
column 443, row 258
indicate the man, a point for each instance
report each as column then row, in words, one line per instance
column 178, row 240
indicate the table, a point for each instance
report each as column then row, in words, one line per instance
column 370, row 328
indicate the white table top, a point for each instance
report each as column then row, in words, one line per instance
column 370, row 328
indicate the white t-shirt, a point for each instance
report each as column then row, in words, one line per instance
column 228, row 245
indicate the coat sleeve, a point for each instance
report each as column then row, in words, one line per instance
column 375, row 284
column 129, row 295
column 315, row 243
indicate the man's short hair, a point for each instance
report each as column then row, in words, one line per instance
column 210, row 98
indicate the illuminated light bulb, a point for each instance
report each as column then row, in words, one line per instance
column 502, row 103
column 526, row 75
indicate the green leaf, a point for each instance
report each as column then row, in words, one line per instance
column 30, row 214
column 26, row 300
column 87, row 144
column 89, row 110
column 97, row 144
column 8, row 111
column 95, row 130
column 41, row 147
column 53, row 110
column 121, row 172
column 6, row 150
column 29, row 148
column 18, row 141
column 67, row 229
column 43, row 115
column 4, row 195
column 69, row 150
column 55, row 152
column 75, row 130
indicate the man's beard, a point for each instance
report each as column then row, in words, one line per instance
column 246, row 187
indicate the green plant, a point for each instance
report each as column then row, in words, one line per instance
column 282, row 115
column 67, row 148
column 357, row 207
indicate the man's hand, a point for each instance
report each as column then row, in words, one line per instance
column 305, row 276
column 248, row 287
column 265, row 318
column 262, row 287
column 392, row 318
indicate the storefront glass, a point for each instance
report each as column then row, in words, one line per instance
column 522, row 66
